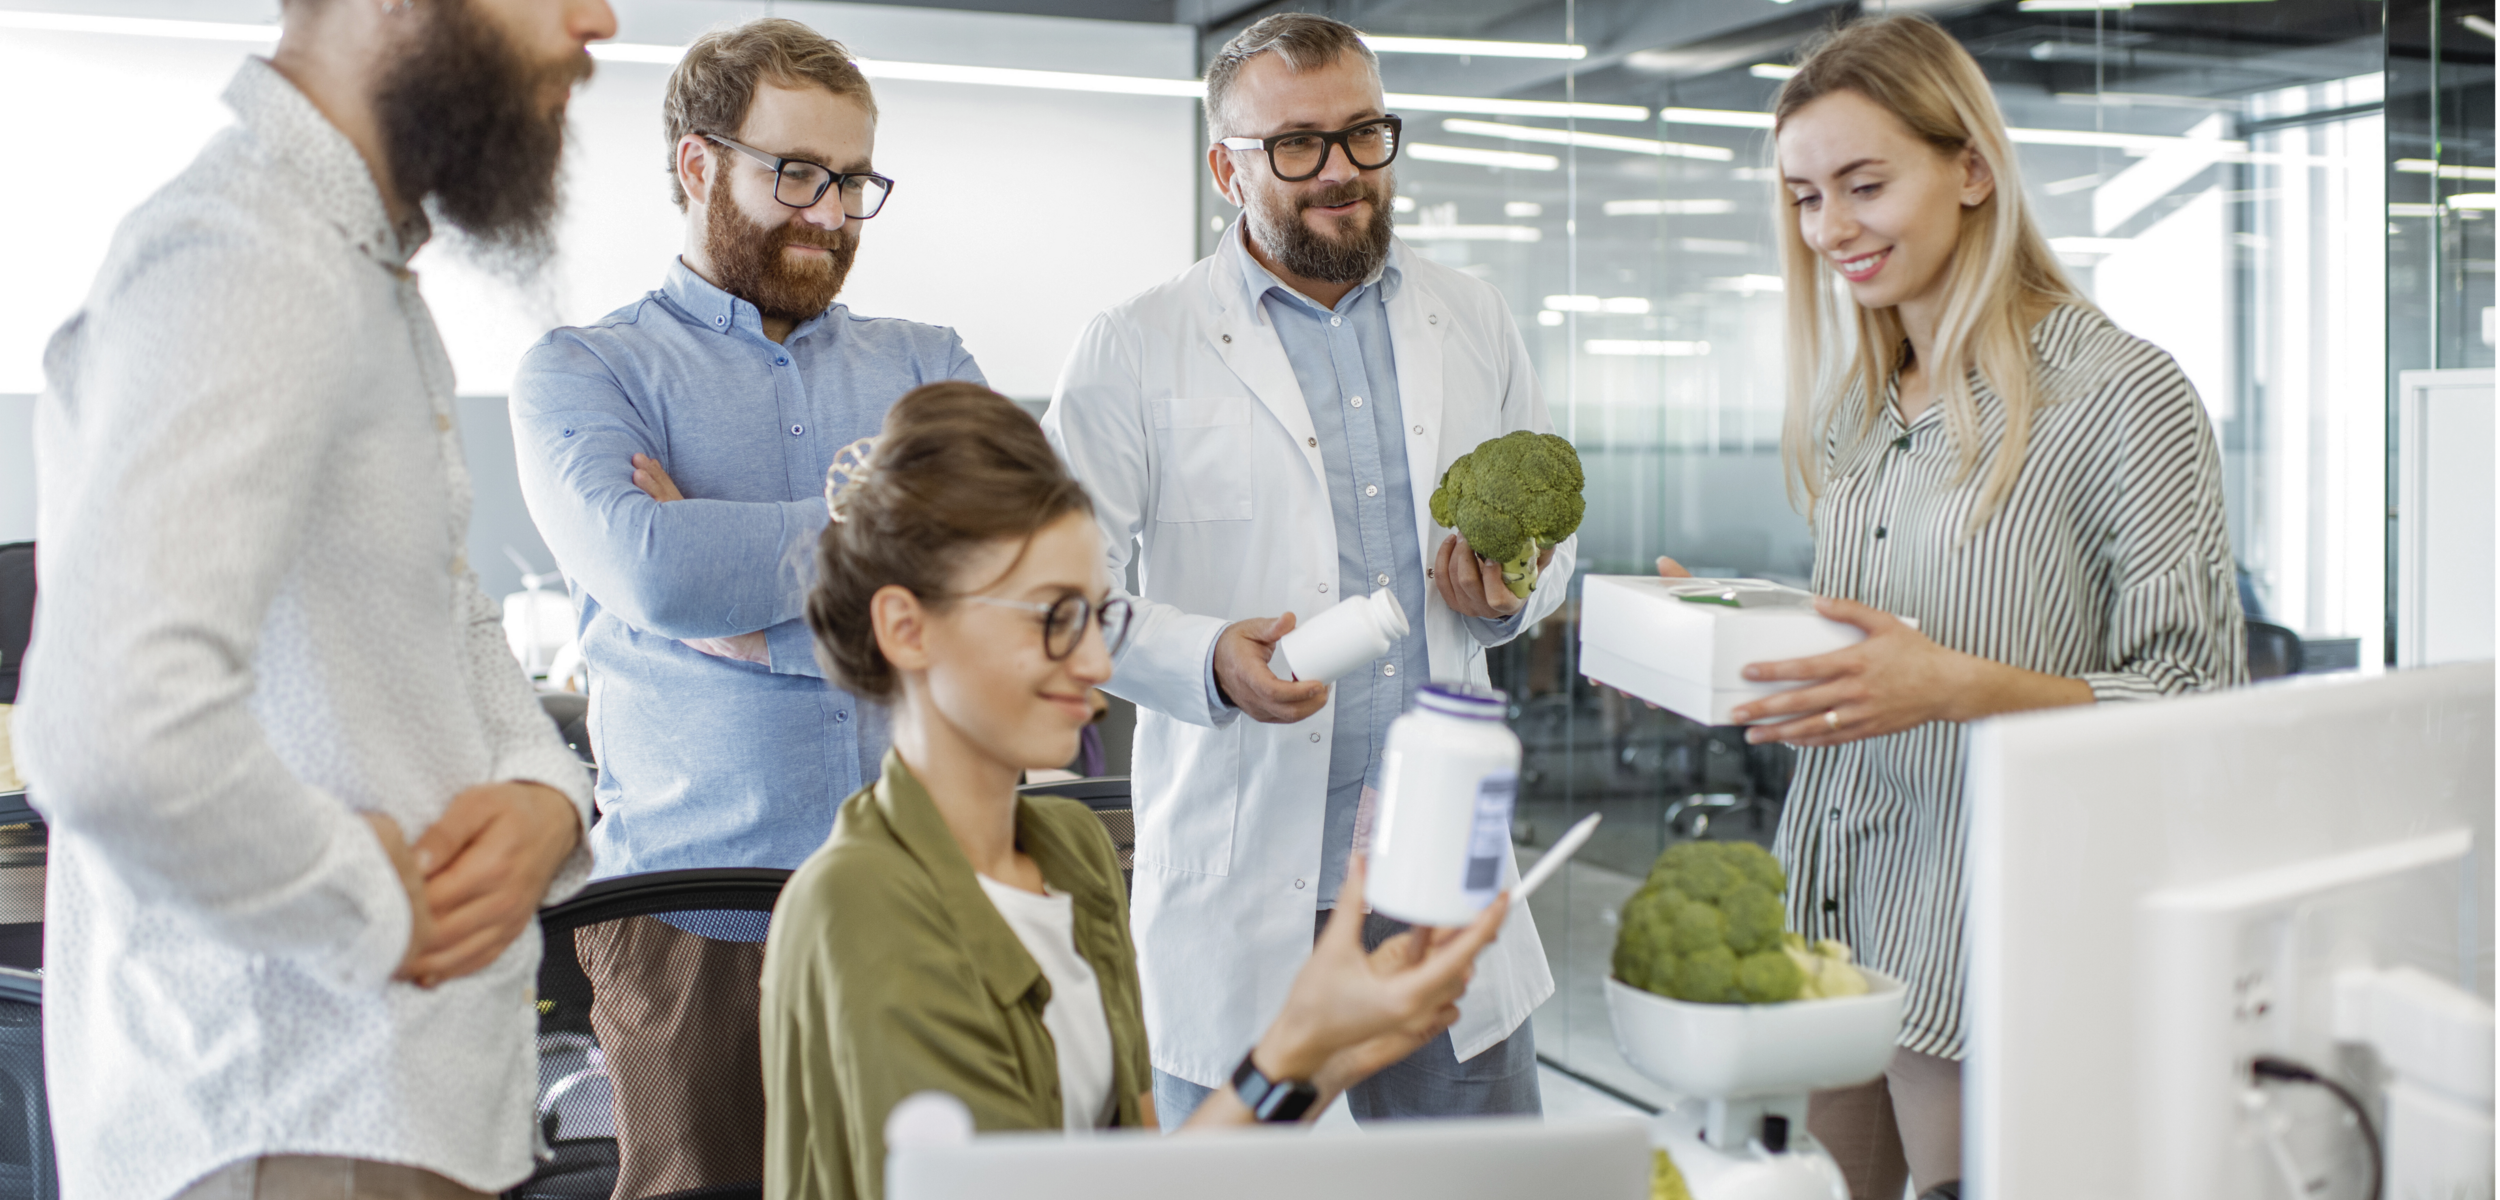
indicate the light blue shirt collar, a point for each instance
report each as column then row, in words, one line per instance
column 1257, row 280
column 721, row 312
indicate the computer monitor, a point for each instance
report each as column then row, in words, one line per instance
column 2162, row 893
column 1501, row 1159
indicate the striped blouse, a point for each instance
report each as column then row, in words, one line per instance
column 2109, row 562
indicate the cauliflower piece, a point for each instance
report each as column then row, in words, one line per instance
column 1510, row 498
column 1825, row 967
column 1706, row 926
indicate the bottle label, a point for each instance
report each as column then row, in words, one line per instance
column 1495, row 796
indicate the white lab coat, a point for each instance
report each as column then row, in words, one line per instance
column 1181, row 415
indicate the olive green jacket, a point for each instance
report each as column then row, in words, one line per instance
column 889, row 972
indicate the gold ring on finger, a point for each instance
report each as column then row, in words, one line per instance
column 1831, row 719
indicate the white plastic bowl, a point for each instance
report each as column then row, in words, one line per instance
column 1740, row 1051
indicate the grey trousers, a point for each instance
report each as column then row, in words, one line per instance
column 1904, row 1127
column 310, row 1177
column 1431, row 1082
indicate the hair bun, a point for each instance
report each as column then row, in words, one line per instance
column 955, row 466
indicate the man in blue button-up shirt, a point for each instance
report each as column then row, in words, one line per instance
column 674, row 456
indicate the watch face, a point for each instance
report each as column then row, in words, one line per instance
column 1288, row 1101
column 1270, row 1100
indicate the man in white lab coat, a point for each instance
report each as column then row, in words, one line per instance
column 1264, row 433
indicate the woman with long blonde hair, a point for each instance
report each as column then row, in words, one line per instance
column 1982, row 452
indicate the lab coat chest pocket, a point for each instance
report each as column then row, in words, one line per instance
column 1203, row 453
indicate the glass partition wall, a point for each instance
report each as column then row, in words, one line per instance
column 2216, row 176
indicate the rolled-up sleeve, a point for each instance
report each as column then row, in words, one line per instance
column 2174, row 623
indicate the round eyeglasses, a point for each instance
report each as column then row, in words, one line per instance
column 1301, row 154
column 800, row 183
column 1064, row 621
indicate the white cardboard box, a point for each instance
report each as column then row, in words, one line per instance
column 1640, row 634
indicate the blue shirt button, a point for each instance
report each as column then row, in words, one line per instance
column 568, row 433
column 843, row 715
column 781, row 362
column 796, row 430
column 720, row 320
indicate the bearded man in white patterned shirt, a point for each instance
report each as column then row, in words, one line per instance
column 260, row 655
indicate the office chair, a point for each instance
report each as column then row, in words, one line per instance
column 1749, row 779
column 2273, row 651
column 26, row 1164
column 704, row 1140
column 1107, row 795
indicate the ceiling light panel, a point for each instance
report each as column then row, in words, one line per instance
column 1593, row 141
column 1470, row 48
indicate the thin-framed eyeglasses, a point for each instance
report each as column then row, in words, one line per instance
column 799, row 183
column 1064, row 621
column 1300, row 154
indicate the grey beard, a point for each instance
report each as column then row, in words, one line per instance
column 1299, row 250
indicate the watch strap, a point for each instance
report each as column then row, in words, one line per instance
column 1271, row 1100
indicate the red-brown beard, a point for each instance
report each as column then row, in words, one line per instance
column 751, row 266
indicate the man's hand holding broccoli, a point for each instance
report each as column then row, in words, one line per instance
column 1512, row 500
column 1242, row 673
column 1473, row 585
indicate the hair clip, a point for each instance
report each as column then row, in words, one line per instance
column 848, row 472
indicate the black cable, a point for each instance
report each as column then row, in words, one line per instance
column 2266, row 1067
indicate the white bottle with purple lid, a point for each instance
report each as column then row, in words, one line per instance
column 1449, row 778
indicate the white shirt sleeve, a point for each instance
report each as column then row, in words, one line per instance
column 189, row 498
column 1096, row 424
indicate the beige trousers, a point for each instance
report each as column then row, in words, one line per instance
column 308, row 1177
column 1903, row 1128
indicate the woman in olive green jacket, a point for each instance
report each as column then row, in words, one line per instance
column 951, row 936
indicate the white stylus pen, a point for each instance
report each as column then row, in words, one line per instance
column 1548, row 866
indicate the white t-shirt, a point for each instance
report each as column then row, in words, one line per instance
column 1046, row 924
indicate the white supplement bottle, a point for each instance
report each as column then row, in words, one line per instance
column 1341, row 639
column 1449, row 777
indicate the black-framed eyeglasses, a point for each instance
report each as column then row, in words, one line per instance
column 800, row 183
column 1301, row 154
column 1064, row 621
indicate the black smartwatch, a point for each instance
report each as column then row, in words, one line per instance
column 1271, row 1100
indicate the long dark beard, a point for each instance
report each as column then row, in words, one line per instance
column 748, row 258
column 467, row 130
column 1348, row 257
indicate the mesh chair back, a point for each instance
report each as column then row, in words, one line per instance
column 650, row 1068
column 1108, row 796
column 26, row 1167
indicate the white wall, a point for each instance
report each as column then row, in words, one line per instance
column 1018, row 213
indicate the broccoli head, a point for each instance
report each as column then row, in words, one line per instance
column 1706, row 927
column 1510, row 498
